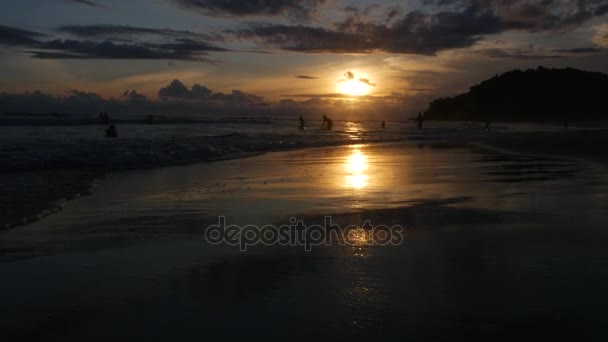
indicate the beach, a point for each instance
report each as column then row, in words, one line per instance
column 280, row 170
column 496, row 245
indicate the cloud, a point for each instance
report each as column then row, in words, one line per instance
column 176, row 90
column 600, row 35
column 601, row 10
column 580, row 50
column 133, row 95
column 86, row 2
column 129, row 32
column 367, row 81
column 527, row 52
column 182, row 49
column 13, row 36
column 182, row 100
column 349, row 76
column 416, row 33
column 392, row 14
column 306, row 77
column 462, row 24
column 516, row 54
column 179, row 46
column 299, row 9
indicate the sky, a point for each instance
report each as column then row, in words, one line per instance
column 281, row 55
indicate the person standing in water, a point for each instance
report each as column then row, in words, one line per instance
column 111, row 132
column 420, row 120
column 302, row 123
column 327, row 123
column 383, row 124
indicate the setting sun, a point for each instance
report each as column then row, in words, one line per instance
column 353, row 88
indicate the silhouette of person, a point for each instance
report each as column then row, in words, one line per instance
column 487, row 125
column 106, row 118
column 383, row 124
column 327, row 123
column 302, row 123
column 419, row 120
column 149, row 119
column 111, row 132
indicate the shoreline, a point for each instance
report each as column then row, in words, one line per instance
column 15, row 215
column 53, row 198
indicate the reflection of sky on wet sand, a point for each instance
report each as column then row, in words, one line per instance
column 463, row 256
column 328, row 180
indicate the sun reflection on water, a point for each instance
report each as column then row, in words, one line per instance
column 356, row 167
column 354, row 130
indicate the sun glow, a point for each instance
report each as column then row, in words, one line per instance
column 353, row 88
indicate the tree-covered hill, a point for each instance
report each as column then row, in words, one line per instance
column 540, row 95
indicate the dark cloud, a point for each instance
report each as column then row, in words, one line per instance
column 300, row 9
column 200, row 92
column 13, row 36
column 86, row 2
column 461, row 24
column 367, row 81
column 517, row 54
column 306, row 77
column 535, row 14
column 349, row 76
column 176, row 90
column 392, row 14
column 85, row 49
column 194, row 101
column 133, row 95
column 128, row 32
column 582, row 50
column 237, row 97
column 601, row 10
column 417, row 33
column 177, row 48
column 366, row 10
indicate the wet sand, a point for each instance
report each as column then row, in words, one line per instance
column 497, row 247
column 582, row 144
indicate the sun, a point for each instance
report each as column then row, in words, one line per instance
column 353, row 88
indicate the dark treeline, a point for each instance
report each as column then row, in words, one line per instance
column 541, row 95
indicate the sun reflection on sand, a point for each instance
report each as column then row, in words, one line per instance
column 356, row 167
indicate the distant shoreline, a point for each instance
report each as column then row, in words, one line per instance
column 576, row 144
